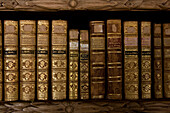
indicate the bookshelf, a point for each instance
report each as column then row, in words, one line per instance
column 79, row 13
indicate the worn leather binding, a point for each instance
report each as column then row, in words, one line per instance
column 27, row 59
column 59, row 59
column 146, row 59
column 114, row 59
column 166, row 45
column 158, row 92
column 131, row 68
column 10, row 60
column 73, row 63
column 97, row 59
column 42, row 59
column 84, row 64
column 1, row 62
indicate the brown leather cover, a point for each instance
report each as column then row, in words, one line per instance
column 114, row 59
column 158, row 92
column 131, row 68
column 146, row 59
column 42, row 59
column 84, row 64
column 11, row 60
column 166, row 44
column 97, row 59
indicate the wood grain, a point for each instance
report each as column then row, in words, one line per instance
column 106, row 5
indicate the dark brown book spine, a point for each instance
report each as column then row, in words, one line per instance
column 84, row 64
column 131, row 68
column 1, row 63
column 114, row 59
column 97, row 59
column 158, row 92
column 166, row 40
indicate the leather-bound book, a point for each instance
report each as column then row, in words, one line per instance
column 97, row 59
column 114, row 59
column 73, row 63
column 1, row 63
column 158, row 92
column 166, row 59
column 146, row 59
column 131, row 68
column 59, row 59
column 27, row 59
column 10, row 60
column 84, row 64
column 42, row 59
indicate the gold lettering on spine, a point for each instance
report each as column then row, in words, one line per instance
column 146, row 60
column 59, row 59
column 42, row 59
column 114, row 59
column 27, row 59
column 97, row 59
column 11, row 60
column 73, row 63
column 84, row 64
column 157, row 61
column 166, row 45
column 131, row 71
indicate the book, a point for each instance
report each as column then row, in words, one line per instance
column 42, row 59
column 73, row 63
column 27, row 59
column 131, row 68
column 1, row 64
column 10, row 60
column 166, row 59
column 97, row 59
column 146, row 59
column 158, row 92
column 84, row 64
column 59, row 59
column 114, row 59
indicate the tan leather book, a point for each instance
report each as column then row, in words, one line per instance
column 42, row 59
column 84, row 64
column 166, row 59
column 59, row 59
column 114, row 59
column 27, row 59
column 97, row 59
column 73, row 63
column 131, row 68
column 146, row 59
column 158, row 92
column 10, row 60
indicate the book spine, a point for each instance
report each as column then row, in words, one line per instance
column 73, row 63
column 11, row 60
column 166, row 45
column 97, row 59
column 42, row 59
column 146, row 59
column 157, row 61
column 131, row 68
column 27, row 59
column 84, row 64
column 1, row 63
column 114, row 59
column 59, row 59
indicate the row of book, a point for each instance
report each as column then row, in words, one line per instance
column 34, row 54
